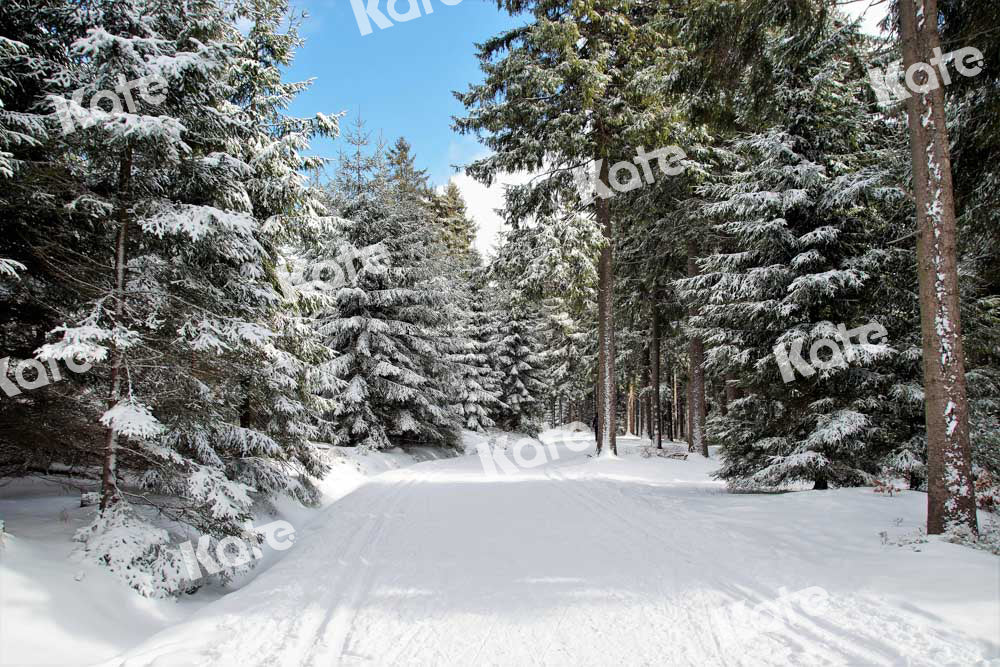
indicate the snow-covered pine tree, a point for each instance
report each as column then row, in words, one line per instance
column 475, row 376
column 570, row 354
column 46, row 424
column 548, row 270
column 385, row 306
column 410, row 181
column 191, row 185
column 796, row 257
column 519, row 359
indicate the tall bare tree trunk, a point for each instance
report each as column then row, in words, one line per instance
column 951, row 492
column 607, row 399
column 667, row 418
column 109, row 475
column 654, row 363
column 696, row 357
column 688, row 406
column 678, row 408
column 630, row 408
column 647, row 401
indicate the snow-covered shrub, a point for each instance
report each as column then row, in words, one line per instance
column 904, row 462
column 134, row 550
column 987, row 540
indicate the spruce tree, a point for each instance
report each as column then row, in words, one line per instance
column 189, row 190
column 384, row 309
column 458, row 230
column 797, row 257
column 519, row 360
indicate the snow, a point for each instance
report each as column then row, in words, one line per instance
column 56, row 608
column 438, row 563
column 132, row 419
column 9, row 267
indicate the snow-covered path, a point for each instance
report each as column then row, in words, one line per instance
column 611, row 562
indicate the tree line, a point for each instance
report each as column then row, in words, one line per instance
column 804, row 206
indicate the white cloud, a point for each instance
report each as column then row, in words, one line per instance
column 483, row 203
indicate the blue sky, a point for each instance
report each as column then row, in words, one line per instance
column 400, row 78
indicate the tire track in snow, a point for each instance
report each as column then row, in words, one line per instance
column 851, row 634
column 319, row 646
column 597, row 499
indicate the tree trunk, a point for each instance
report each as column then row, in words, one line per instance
column 630, row 409
column 654, row 362
column 687, row 407
column 607, row 399
column 696, row 357
column 647, row 403
column 678, row 409
column 669, row 414
column 109, row 475
column 950, row 487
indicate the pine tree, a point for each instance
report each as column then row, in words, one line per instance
column 476, row 382
column 411, row 182
column 458, row 229
column 385, row 301
column 797, row 256
column 36, row 291
column 519, row 360
column 189, row 190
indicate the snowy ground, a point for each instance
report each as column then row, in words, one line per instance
column 580, row 561
column 57, row 610
column 598, row 562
